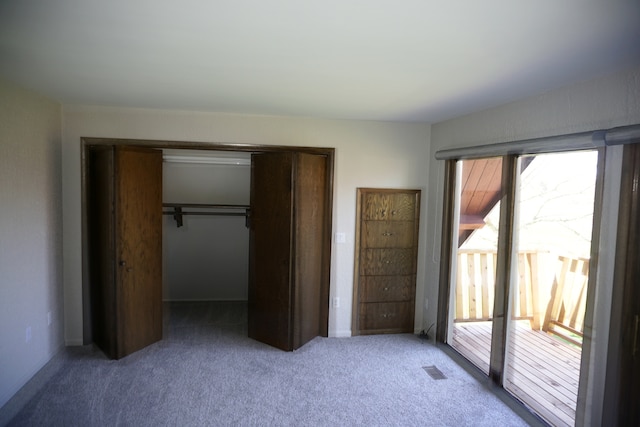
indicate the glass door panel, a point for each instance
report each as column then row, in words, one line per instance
column 553, row 227
column 477, row 212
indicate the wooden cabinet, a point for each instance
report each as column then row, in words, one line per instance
column 288, row 286
column 386, row 260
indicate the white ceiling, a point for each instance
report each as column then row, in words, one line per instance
column 402, row 60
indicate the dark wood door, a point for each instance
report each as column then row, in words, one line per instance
column 270, row 247
column 138, row 203
column 309, row 220
column 125, row 259
column 287, row 235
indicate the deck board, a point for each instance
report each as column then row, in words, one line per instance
column 543, row 371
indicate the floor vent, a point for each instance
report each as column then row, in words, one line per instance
column 434, row 372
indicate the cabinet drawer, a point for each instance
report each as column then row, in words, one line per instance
column 389, row 206
column 387, row 288
column 388, row 234
column 387, row 262
column 395, row 316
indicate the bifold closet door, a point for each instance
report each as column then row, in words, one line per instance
column 286, row 248
column 125, row 247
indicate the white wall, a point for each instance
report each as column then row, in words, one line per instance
column 30, row 235
column 368, row 154
column 207, row 258
column 603, row 103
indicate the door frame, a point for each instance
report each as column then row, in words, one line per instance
column 87, row 142
column 621, row 388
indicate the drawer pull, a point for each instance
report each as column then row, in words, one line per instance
column 393, row 212
column 386, row 289
column 385, row 315
column 388, row 262
column 387, row 234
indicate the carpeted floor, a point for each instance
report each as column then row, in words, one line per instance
column 206, row 372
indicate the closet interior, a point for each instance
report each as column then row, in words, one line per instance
column 205, row 238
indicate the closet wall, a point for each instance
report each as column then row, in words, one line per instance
column 207, row 258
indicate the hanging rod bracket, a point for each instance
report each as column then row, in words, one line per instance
column 177, row 215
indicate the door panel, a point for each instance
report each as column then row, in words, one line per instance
column 288, row 211
column 553, row 240
column 309, row 211
column 101, row 235
column 124, row 222
column 477, row 196
column 138, row 247
column 269, row 315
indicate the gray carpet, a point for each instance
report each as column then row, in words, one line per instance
column 207, row 372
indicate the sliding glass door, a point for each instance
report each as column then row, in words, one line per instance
column 478, row 192
column 520, row 250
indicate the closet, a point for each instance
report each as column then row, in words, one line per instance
column 386, row 260
column 287, row 247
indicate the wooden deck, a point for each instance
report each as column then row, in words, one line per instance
column 543, row 371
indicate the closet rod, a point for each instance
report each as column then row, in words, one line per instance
column 178, row 213
column 203, row 205
column 208, row 213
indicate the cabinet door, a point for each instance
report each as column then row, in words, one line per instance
column 387, row 288
column 387, row 262
column 386, row 317
column 385, row 206
column 388, row 234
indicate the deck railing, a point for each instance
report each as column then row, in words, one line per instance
column 550, row 292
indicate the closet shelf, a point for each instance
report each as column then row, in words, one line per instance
column 178, row 210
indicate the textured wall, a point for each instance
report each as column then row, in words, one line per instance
column 368, row 154
column 30, row 236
